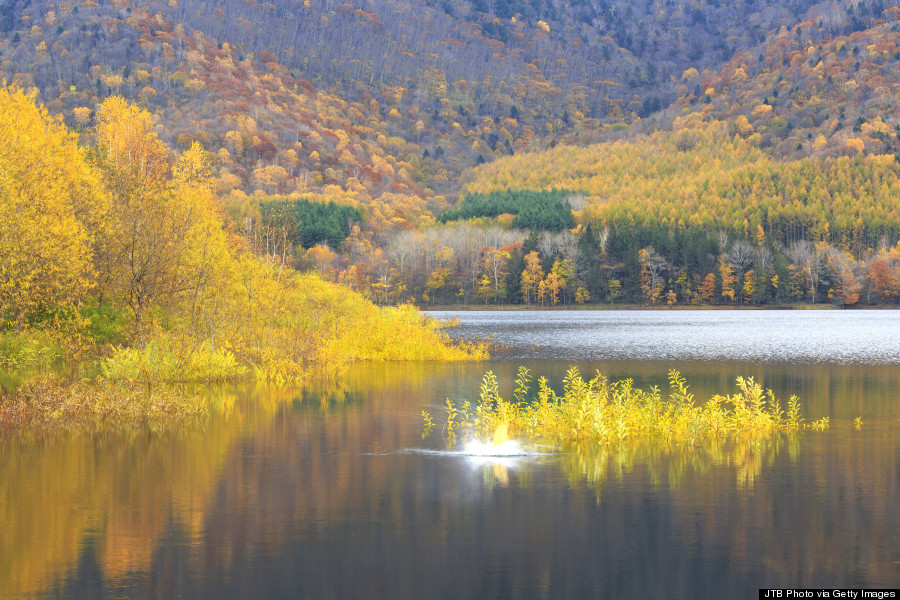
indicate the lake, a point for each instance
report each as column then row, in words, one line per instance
column 330, row 491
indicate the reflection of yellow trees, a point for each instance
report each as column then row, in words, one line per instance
column 671, row 463
column 122, row 490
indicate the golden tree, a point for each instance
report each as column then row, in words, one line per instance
column 51, row 203
column 531, row 276
column 165, row 233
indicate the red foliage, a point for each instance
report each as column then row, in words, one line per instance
column 264, row 149
column 308, row 86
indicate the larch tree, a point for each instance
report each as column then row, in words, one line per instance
column 532, row 276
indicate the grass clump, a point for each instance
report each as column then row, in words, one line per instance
column 19, row 349
column 610, row 412
column 48, row 403
column 165, row 359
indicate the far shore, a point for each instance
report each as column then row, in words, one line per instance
column 523, row 307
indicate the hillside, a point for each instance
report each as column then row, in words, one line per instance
column 721, row 123
column 420, row 90
column 697, row 215
column 701, row 177
column 810, row 91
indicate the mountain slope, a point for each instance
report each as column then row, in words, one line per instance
column 808, row 91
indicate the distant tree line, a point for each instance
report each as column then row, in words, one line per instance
column 632, row 263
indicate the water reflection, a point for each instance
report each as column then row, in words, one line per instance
column 291, row 493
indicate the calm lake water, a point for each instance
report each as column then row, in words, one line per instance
column 331, row 492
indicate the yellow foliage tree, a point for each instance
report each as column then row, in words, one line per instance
column 164, row 231
column 51, row 203
column 532, row 276
column 726, row 273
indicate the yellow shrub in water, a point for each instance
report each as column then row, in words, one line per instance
column 609, row 412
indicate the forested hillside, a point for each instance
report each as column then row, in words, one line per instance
column 699, row 176
column 811, row 90
column 341, row 135
column 693, row 216
column 374, row 98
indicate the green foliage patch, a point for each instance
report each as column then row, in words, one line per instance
column 547, row 210
column 309, row 223
column 20, row 349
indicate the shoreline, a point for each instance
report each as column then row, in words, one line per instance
column 619, row 307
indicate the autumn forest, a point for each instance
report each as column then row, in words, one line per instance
column 190, row 182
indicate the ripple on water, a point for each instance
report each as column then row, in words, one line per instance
column 768, row 336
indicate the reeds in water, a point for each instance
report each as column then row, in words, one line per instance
column 612, row 411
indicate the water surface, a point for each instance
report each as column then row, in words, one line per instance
column 331, row 492
column 801, row 336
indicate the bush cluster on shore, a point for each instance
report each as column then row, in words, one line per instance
column 115, row 253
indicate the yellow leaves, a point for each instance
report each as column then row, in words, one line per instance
column 270, row 177
column 82, row 115
column 882, row 160
column 606, row 413
column 51, row 202
column 532, row 276
column 856, row 144
column 743, row 126
column 877, row 126
column 819, row 143
column 131, row 152
column 543, row 27
column 762, row 110
column 161, row 247
column 113, row 81
column 193, row 166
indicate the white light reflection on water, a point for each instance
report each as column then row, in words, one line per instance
column 489, row 458
column 477, row 450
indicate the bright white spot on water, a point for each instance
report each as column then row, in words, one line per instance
column 477, row 450
column 507, row 448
